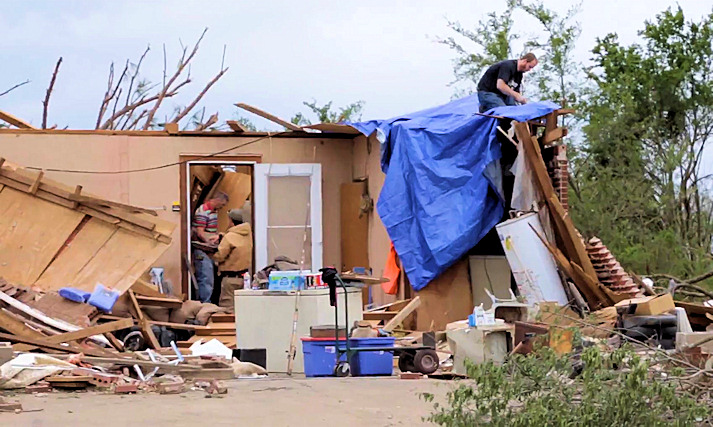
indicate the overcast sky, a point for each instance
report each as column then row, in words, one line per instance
column 280, row 53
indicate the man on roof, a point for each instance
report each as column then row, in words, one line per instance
column 205, row 231
column 501, row 82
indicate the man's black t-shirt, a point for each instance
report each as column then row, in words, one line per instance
column 505, row 70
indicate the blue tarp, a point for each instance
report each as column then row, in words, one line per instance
column 441, row 194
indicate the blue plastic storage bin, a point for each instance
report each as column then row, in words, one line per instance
column 74, row 294
column 103, row 298
column 319, row 356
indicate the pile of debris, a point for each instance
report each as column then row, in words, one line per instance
column 114, row 326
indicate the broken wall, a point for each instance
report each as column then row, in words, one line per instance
column 158, row 189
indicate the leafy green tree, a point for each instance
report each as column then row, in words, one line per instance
column 490, row 42
column 325, row 113
column 650, row 118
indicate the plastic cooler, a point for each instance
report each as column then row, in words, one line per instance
column 320, row 358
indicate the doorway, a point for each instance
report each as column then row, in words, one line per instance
column 200, row 179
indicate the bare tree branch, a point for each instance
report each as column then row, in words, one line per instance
column 46, row 102
column 190, row 106
column 14, row 87
column 138, row 119
column 111, row 93
column 181, row 66
column 134, row 75
column 138, row 104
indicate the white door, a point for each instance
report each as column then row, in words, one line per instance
column 288, row 213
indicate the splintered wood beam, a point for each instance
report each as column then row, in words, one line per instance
column 159, row 301
column 118, row 345
column 564, row 111
column 268, row 116
column 90, row 331
column 553, row 135
column 149, row 335
column 403, row 314
column 77, row 193
column 139, row 313
column 43, row 343
column 236, row 126
column 9, row 118
column 36, row 185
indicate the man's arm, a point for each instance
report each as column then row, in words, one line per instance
column 205, row 236
column 224, row 249
column 507, row 90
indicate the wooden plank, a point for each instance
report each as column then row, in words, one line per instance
column 32, row 231
column 574, row 248
column 135, row 303
column 268, row 116
column 180, row 325
column 56, row 307
column 553, row 135
column 142, row 287
column 89, row 200
column 9, row 118
column 36, row 314
column 403, row 314
column 236, row 126
column 43, row 343
column 142, row 264
column 78, row 252
column 393, row 306
column 119, row 262
column 238, row 186
column 148, row 334
column 36, row 185
column 572, row 234
column 159, row 302
column 222, row 318
column 380, row 315
column 446, row 299
column 17, row 327
column 354, row 227
column 60, row 194
column 68, row 337
column 584, row 285
column 217, row 329
column 118, row 345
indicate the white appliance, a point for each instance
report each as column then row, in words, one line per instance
column 531, row 263
column 263, row 319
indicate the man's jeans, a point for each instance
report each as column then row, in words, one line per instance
column 204, row 274
column 490, row 100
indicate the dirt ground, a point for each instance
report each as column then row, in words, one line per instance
column 282, row 401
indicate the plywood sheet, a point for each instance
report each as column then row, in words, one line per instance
column 238, row 187
column 446, row 299
column 119, row 262
column 32, row 231
column 354, row 230
column 79, row 251
column 60, row 308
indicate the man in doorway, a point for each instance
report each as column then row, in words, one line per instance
column 501, row 83
column 234, row 257
column 205, row 231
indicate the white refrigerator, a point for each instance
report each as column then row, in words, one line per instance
column 263, row 319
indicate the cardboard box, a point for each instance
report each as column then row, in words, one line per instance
column 650, row 306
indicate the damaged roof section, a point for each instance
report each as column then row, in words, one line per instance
column 52, row 235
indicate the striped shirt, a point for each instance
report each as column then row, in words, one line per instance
column 206, row 218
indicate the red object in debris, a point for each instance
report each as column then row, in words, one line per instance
column 391, row 272
column 126, row 388
column 43, row 387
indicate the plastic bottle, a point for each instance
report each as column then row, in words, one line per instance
column 246, row 280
